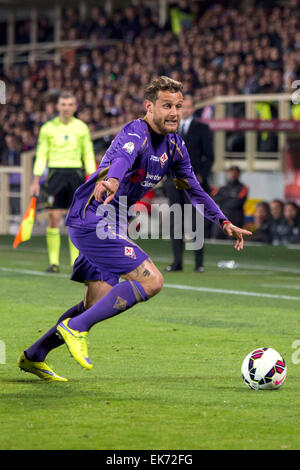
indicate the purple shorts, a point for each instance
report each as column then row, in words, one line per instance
column 103, row 260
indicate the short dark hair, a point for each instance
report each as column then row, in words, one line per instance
column 234, row 168
column 65, row 94
column 161, row 83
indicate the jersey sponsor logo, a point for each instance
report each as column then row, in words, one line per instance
column 148, row 184
column 163, row 159
column 129, row 251
column 154, row 179
column 128, row 147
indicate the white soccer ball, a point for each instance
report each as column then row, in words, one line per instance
column 264, row 369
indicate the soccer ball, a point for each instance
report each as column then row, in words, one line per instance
column 264, row 369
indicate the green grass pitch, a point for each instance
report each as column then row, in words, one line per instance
column 166, row 373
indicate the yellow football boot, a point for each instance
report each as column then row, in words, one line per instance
column 40, row 369
column 76, row 343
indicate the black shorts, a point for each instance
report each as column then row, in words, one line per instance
column 61, row 186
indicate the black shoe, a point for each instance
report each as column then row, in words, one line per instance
column 53, row 269
column 200, row 269
column 170, row 268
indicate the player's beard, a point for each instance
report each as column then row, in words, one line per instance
column 160, row 125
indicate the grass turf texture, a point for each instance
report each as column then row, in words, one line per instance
column 166, row 373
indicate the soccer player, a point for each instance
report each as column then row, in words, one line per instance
column 65, row 146
column 142, row 153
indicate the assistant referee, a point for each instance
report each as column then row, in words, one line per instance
column 65, row 146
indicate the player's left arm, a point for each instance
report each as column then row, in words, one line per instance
column 185, row 179
column 88, row 154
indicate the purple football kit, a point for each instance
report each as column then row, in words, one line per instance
column 139, row 158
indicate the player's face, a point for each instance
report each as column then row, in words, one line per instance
column 164, row 115
column 66, row 107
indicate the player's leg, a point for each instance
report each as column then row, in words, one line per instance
column 94, row 291
column 175, row 196
column 122, row 257
column 61, row 185
column 139, row 285
column 32, row 359
column 53, row 239
column 54, row 188
column 73, row 180
column 73, row 252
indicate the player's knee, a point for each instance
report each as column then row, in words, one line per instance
column 155, row 284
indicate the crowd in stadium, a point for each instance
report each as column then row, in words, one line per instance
column 277, row 222
column 222, row 51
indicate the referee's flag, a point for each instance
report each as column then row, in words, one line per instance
column 25, row 229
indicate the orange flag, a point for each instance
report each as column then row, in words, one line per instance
column 25, row 229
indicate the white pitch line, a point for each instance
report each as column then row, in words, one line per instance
column 32, row 273
column 231, row 292
column 170, row 286
column 252, row 267
column 276, row 286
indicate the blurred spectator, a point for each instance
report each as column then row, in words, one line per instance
column 45, row 31
column 181, row 16
column 10, row 156
column 231, row 198
column 290, row 232
column 235, row 141
column 278, row 220
column 262, row 223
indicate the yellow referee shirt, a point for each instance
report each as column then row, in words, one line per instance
column 64, row 146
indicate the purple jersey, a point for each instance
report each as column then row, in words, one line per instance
column 139, row 158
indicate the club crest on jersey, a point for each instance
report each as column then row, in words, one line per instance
column 129, row 251
column 163, row 159
column 128, row 147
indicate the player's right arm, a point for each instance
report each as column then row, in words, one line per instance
column 41, row 158
column 120, row 156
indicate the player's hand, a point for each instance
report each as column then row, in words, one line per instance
column 236, row 232
column 35, row 189
column 110, row 187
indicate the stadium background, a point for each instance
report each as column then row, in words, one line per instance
column 238, row 59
